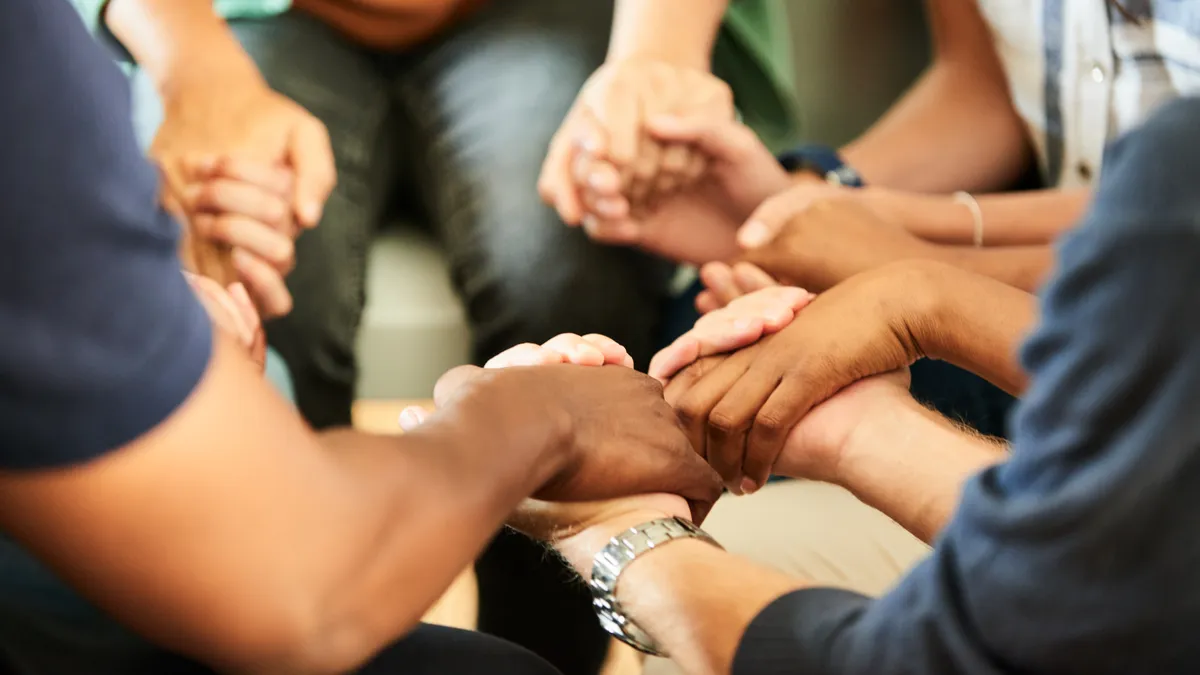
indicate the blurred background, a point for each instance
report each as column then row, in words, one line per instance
column 853, row 58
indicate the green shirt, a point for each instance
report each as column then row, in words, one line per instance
column 753, row 54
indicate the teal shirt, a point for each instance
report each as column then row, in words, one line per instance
column 753, row 54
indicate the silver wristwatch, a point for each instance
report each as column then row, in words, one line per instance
column 615, row 557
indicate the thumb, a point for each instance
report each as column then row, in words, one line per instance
column 765, row 223
column 449, row 384
column 719, row 139
column 311, row 157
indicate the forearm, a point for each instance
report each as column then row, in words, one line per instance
column 956, row 128
column 911, row 463
column 678, row 31
column 974, row 322
column 323, row 548
column 1022, row 267
column 179, row 42
column 425, row 506
column 1009, row 219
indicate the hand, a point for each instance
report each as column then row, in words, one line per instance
column 241, row 209
column 588, row 350
column 608, row 120
column 742, row 323
column 617, row 436
column 233, row 313
column 698, row 222
column 243, row 118
column 831, row 240
column 739, row 409
column 724, row 283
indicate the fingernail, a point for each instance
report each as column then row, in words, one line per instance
column 409, row 419
column 749, row 487
column 754, row 234
column 743, row 324
column 310, row 213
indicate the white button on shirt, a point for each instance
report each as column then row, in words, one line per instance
column 1081, row 72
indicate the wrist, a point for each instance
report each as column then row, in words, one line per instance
column 580, row 549
column 181, row 79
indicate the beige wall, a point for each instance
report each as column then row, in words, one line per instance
column 854, row 57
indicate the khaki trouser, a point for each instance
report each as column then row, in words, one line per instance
column 814, row 531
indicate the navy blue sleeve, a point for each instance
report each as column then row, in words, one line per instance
column 100, row 336
column 1081, row 554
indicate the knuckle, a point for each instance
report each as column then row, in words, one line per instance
column 724, row 424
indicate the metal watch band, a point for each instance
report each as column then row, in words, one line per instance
column 622, row 550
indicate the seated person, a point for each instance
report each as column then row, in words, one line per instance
column 1068, row 552
column 147, row 464
column 997, row 96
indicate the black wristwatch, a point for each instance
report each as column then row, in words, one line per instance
column 823, row 161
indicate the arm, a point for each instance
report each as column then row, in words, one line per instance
column 956, row 129
column 1022, row 267
column 681, row 32
column 316, row 565
column 180, row 44
column 1009, row 219
column 970, row 320
column 911, row 463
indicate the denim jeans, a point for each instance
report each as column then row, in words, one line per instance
column 453, row 134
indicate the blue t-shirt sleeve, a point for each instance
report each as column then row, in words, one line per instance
column 1080, row 554
column 101, row 336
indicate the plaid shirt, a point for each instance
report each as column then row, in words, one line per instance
column 1082, row 72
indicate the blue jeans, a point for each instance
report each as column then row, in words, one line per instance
column 451, row 133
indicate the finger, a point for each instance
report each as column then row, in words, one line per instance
column 449, row 384
column 555, row 179
column 706, row 301
column 575, row 350
column 221, row 309
column 673, row 358
column 311, row 158
column 645, row 170
column 264, row 283
column 223, row 195
column 412, row 417
column 278, row 180
column 697, row 166
column 621, row 120
column 600, row 188
column 258, row 342
column 620, row 232
column 603, row 179
column 781, row 412
column 255, row 237
column 716, row 138
column 695, row 409
column 775, row 307
column 718, row 278
column 741, row 409
column 672, row 173
column 614, row 352
column 750, row 277
column 245, row 306
column 527, row 354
